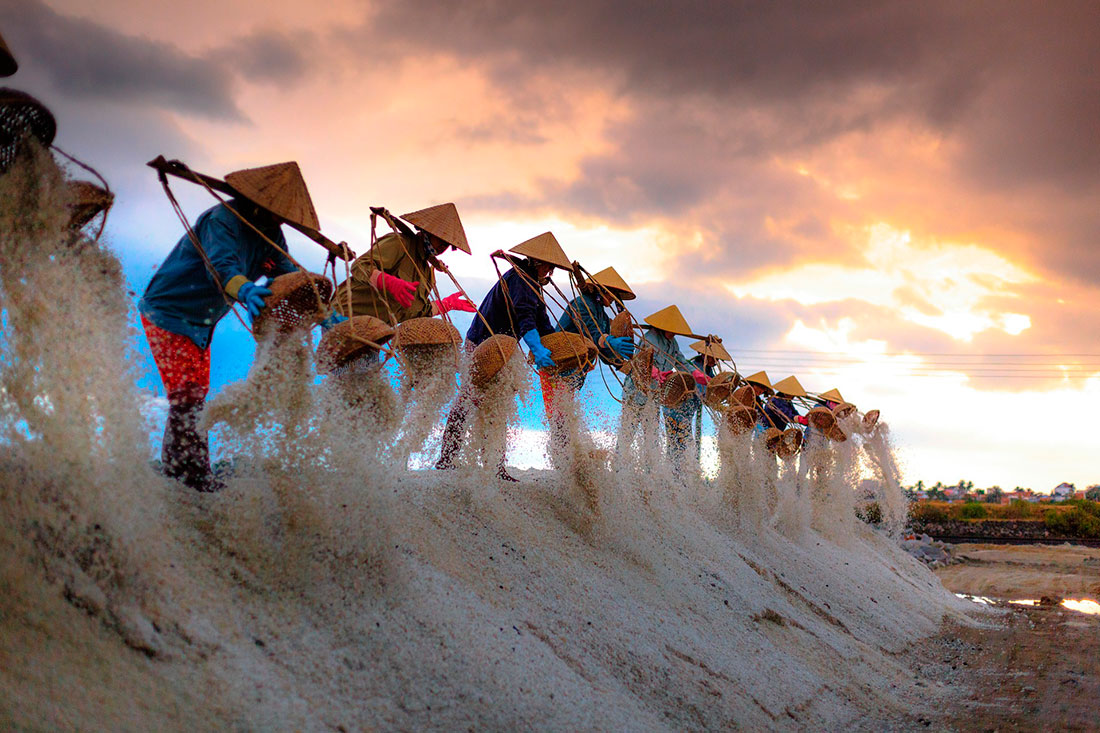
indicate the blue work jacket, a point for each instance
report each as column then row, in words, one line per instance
column 183, row 297
column 514, row 313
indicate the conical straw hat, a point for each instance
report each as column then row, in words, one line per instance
column 8, row 65
column 789, row 386
column 544, row 248
column 833, row 395
column 443, row 222
column 760, row 378
column 714, row 349
column 280, row 189
column 669, row 319
column 613, row 281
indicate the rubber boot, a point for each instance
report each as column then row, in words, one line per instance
column 185, row 452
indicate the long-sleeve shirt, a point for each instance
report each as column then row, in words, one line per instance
column 666, row 357
column 780, row 411
column 394, row 254
column 513, row 306
column 586, row 316
column 183, row 296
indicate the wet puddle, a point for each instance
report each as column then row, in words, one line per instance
column 1084, row 605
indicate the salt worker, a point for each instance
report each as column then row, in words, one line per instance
column 515, row 307
column 761, row 387
column 709, row 352
column 780, row 410
column 194, row 289
column 812, row 457
column 587, row 315
column 662, row 328
column 395, row 280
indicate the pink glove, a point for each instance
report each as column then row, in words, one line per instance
column 455, row 302
column 662, row 376
column 400, row 290
column 654, row 373
column 700, row 378
column 801, row 420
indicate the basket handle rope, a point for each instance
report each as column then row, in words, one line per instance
column 94, row 172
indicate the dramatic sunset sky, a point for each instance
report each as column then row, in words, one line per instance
column 898, row 199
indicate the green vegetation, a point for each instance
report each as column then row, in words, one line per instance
column 1072, row 518
column 973, row 510
column 1078, row 519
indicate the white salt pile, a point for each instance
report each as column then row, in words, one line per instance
column 327, row 588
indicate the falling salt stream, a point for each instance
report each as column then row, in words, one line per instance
column 328, row 588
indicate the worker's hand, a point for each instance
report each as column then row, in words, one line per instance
column 801, row 420
column 621, row 345
column 251, row 296
column 455, row 302
column 660, row 376
column 700, row 378
column 539, row 353
column 400, row 290
column 332, row 320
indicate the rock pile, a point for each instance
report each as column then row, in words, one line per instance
column 929, row 551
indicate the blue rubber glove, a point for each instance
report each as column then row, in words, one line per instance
column 332, row 321
column 539, row 353
column 623, row 345
column 251, row 296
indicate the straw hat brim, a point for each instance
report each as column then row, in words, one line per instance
column 714, row 349
column 279, row 188
column 544, row 248
column 614, row 282
column 789, row 386
column 761, row 378
column 443, row 222
column 669, row 319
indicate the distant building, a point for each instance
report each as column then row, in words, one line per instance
column 1063, row 491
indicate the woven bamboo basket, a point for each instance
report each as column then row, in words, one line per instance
column 789, row 443
column 740, row 419
column 821, row 418
column 720, row 390
column 639, row 368
column 621, row 325
column 772, row 438
column 843, row 410
column 293, row 304
column 835, row 434
column 570, row 351
column 489, row 358
column 86, row 199
column 745, row 396
column 678, row 387
column 346, row 341
column 22, row 115
column 870, row 420
column 432, row 337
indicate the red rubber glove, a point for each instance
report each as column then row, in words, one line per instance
column 455, row 302
column 654, row 373
column 662, row 376
column 801, row 420
column 700, row 378
column 400, row 290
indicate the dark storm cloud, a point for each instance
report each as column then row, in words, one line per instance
column 1014, row 84
column 85, row 59
column 267, row 56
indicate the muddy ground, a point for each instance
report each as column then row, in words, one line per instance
column 1030, row 668
column 1024, row 571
